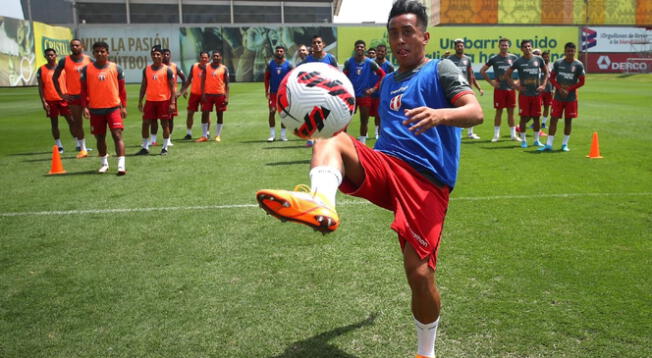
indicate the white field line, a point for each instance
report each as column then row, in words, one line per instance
column 342, row 203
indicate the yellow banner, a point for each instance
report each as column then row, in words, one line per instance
column 46, row 36
column 481, row 42
column 519, row 12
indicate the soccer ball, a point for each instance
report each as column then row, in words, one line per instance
column 315, row 100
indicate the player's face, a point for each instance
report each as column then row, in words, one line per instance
column 167, row 56
column 76, row 47
column 407, row 40
column 371, row 54
column 459, row 48
column 101, row 54
column 381, row 52
column 526, row 48
column 157, row 57
column 51, row 56
column 359, row 50
column 546, row 57
column 217, row 58
column 203, row 58
column 569, row 52
column 303, row 52
column 504, row 46
column 279, row 53
column 317, row 45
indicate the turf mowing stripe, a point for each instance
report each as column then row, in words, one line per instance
column 235, row 206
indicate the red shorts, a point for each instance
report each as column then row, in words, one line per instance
column 100, row 121
column 193, row 102
column 546, row 97
column 76, row 101
column 529, row 106
column 156, row 110
column 57, row 108
column 375, row 102
column 363, row 101
column 214, row 99
column 271, row 102
column 504, row 98
column 559, row 107
column 394, row 185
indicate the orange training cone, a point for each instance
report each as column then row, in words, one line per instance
column 595, row 147
column 57, row 166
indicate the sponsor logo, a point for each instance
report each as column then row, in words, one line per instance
column 415, row 236
column 589, row 38
column 395, row 102
column 604, row 62
column 61, row 46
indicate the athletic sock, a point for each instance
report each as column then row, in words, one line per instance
column 565, row 141
column 377, row 131
column 283, row 132
column 152, row 138
column 218, row 129
column 204, row 129
column 544, row 120
column 189, row 131
column 512, row 131
column 497, row 131
column 362, row 139
column 469, row 131
column 426, row 336
column 166, row 142
column 121, row 164
column 145, row 143
column 104, row 160
column 536, row 136
column 523, row 136
column 272, row 132
column 82, row 144
column 325, row 180
column 58, row 142
column 551, row 139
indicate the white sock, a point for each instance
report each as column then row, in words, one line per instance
column 189, row 131
column 121, row 164
column 152, row 138
column 104, row 160
column 204, row 129
column 82, row 144
column 426, row 336
column 512, row 131
column 325, row 180
column 272, row 132
column 166, row 142
column 551, row 139
column 377, row 131
column 58, row 143
column 544, row 120
column 283, row 132
column 523, row 136
column 218, row 129
column 145, row 143
column 469, row 130
column 497, row 131
column 362, row 139
column 565, row 141
column 536, row 136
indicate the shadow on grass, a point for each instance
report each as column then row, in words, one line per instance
column 318, row 346
column 475, row 141
column 29, row 153
column 307, row 161
column 287, row 147
column 495, row 147
column 85, row 172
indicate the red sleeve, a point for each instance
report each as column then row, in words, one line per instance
column 381, row 74
column 267, row 76
column 579, row 84
column 553, row 80
column 122, row 92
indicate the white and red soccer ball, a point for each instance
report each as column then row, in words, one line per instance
column 315, row 100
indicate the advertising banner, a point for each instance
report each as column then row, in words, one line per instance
column 480, row 42
column 616, row 39
column 247, row 50
column 46, row 36
column 16, row 52
column 130, row 46
column 618, row 63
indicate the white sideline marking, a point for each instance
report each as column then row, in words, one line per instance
column 344, row 203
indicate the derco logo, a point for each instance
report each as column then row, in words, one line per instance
column 604, row 62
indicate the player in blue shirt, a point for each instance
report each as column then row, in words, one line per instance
column 387, row 67
column 274, row 74
column 412, row 169
column 318, row 54
column 365, row 75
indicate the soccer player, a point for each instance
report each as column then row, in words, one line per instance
column 504, row 95
column 178, row 73
column 530, row 86
column 274, row 74
column 215, row 92
column 387, row 67
column 463, row 62
column 72, row 65
column 53, row 104
column 303, row 54
column 360, row 69
column 546, row 96
column 371, row 53
column 158, row 87
column 319, row 54
column 412, row 169
column 194, row 81
column 567, row 76
column 104, row 101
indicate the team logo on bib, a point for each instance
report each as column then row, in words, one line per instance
column 536, row 63
column 155, row 77
column 395, row 102
column 101, row 76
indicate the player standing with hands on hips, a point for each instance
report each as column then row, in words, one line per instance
column 412, row 168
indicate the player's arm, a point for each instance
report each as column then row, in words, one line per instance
column 173, row 93
column 510, row 80
column 546, row 75
column 84, row 93
column 203, row 84
column 580, row 79
column 473, row 81
column 345, row 70
column 226, row 85
column 333, row 60
column 380, row 74
column 181, row 75
column 187, row 81
column 122, row 91
column 143, row 89
column 45, row 104
column 55, row 79
column 466, row 111
column 268, row 74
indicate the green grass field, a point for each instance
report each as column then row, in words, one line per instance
column 543, row 255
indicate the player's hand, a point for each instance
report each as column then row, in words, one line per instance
column 86, row 113
column 123, row 112
column 171, row 108
column 563, row 93
column 177, row 95
column 226, row 100
column 67, row 97
column 541, row 88
column 495, row 84
column 46, row 107
column 266, row 95
column 421, row 119
column 369, row 91
column 185, row 95
column 140, row 107
column 481, row 92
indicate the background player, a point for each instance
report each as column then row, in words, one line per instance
column 178, row 73
column 567, row 76
column 302, row 54
column 387, row 67
column 371, row 53
column 215, row 92
column 53, row 104
column 194, row 81
column 274, row 74
column 546, row 96
column 104, row 100
column 158, row 88
column 72, row 65
column 416, row 157
column 464, row 63
column 504, row 95
column 365, row 75
column 530, row 86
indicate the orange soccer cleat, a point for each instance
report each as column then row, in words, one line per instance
column 201, row 139
column 303, row 206
column 82, row 154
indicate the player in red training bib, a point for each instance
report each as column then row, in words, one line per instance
column 53, row 104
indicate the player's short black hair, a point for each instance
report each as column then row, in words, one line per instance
column 381, row 45
column 317, row 37
column 278, row 47
column 546, row 52
column 166, row 50
column 503, row 39
column 401, row 7
column 156, row 48
column 101, row 44
column 569, row 45
column 45, row 52
column 217, row 51
column 358, row 42
column 204, row 52
column 371, row 49
column 76, row 39
column 525, row 42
